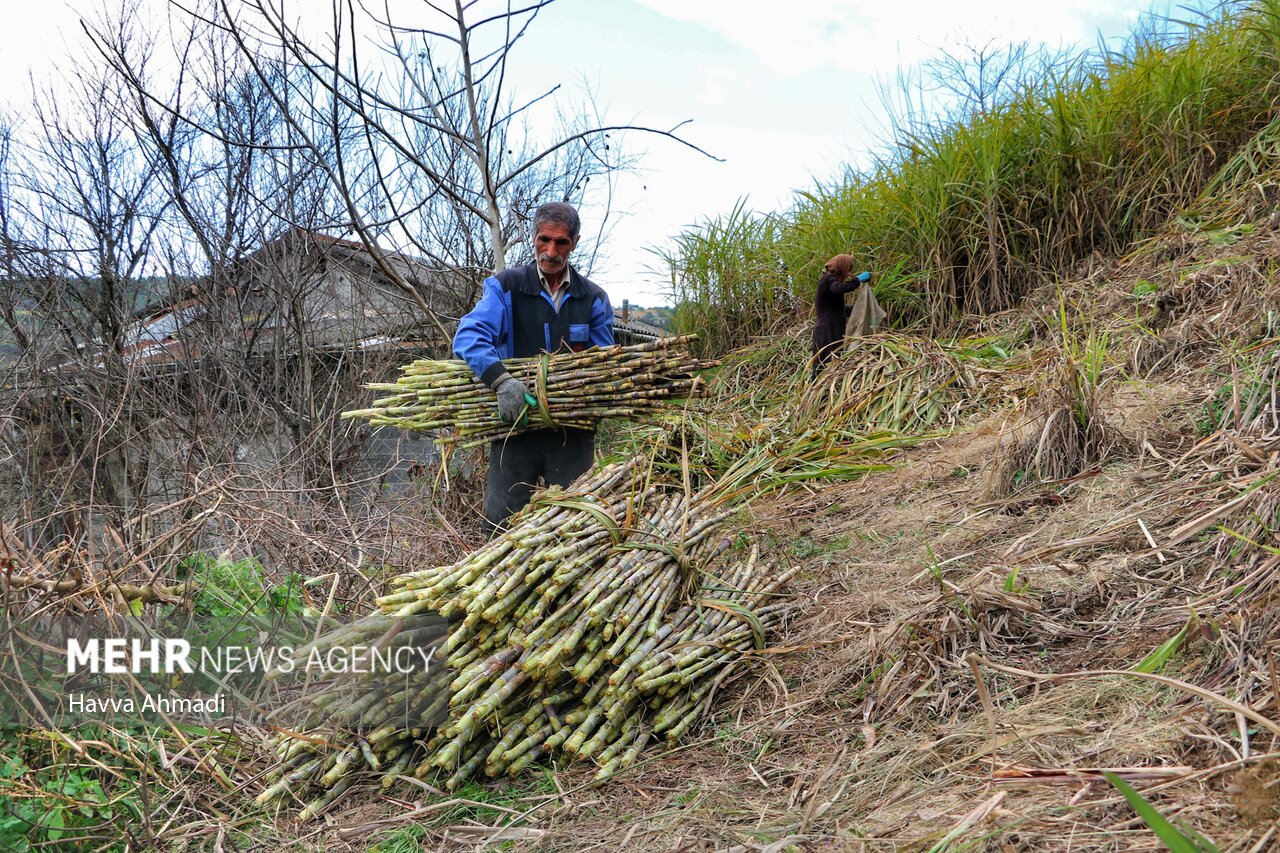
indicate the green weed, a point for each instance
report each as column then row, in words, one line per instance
column 1178, row 840
column 804, row 547
column 235, row 600
column 683, row 799
column 1011, row 584
column 1165, row 652
column 1142, row 287
column 492, row 802
column 48, row 800
column 406, row 839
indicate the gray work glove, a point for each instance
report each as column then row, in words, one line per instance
column 511, row 399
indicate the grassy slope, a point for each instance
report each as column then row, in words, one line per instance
column 880, row 720
column 968, row 213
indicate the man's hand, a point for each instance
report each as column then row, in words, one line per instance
column 511, row 399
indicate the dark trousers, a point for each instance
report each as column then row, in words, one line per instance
column 551, row 457
column 823, row 354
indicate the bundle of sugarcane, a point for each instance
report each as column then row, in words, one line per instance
column 373, row 722
column 575, row 389
column 585, row 649
column 575, row 687
column 365, row 720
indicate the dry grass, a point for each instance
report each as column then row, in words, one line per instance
column 871, row 731
column 1067, row 433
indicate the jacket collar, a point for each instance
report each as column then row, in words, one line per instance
column 531, row 285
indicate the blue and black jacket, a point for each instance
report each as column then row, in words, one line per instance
column 516, row 319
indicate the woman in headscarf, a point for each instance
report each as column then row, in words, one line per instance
column 828, row 329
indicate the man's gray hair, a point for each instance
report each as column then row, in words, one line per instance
column 559, row 213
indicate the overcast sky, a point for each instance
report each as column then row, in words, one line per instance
column 785, row 92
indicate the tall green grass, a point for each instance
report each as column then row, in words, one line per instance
column 728, row 278
column 1083, row 154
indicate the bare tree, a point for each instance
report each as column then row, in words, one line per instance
column 451, row 164
column 977, row 80
column 173, row 227
column 12, row 250
column 81, row 212
column 218, row 135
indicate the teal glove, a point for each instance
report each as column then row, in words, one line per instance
column 863, row 277
column 533, row 407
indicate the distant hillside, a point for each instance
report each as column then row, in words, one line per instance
column 660, row 316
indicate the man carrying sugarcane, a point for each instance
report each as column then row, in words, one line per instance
column 545, row 306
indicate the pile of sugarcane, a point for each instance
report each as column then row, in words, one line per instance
column 358, row 722
column 904, row 384
column 575, row 389
column 600, row 619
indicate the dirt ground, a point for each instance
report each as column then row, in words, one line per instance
column 858, row 729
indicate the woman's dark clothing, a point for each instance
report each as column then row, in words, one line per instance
column 828, row 330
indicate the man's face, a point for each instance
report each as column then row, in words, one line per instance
column 553, row 243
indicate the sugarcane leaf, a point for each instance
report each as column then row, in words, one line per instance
column 1270, row 549
column 1163, row 653
column 583, row 505
column 1173, row 838
column 737, row 609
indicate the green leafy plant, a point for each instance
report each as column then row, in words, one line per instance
column 1142, row 287
column 1011, row 582
column 406, row 839
column 57, row 803
column 805, row 546
column 236, row 605
column 1247, row 400
column 1230, row 236
column 236, row 601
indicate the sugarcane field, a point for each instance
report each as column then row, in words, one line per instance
column 352, row 499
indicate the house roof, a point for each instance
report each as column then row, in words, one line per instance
column 636, row 329
column 258, row 300
column 173, row 338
